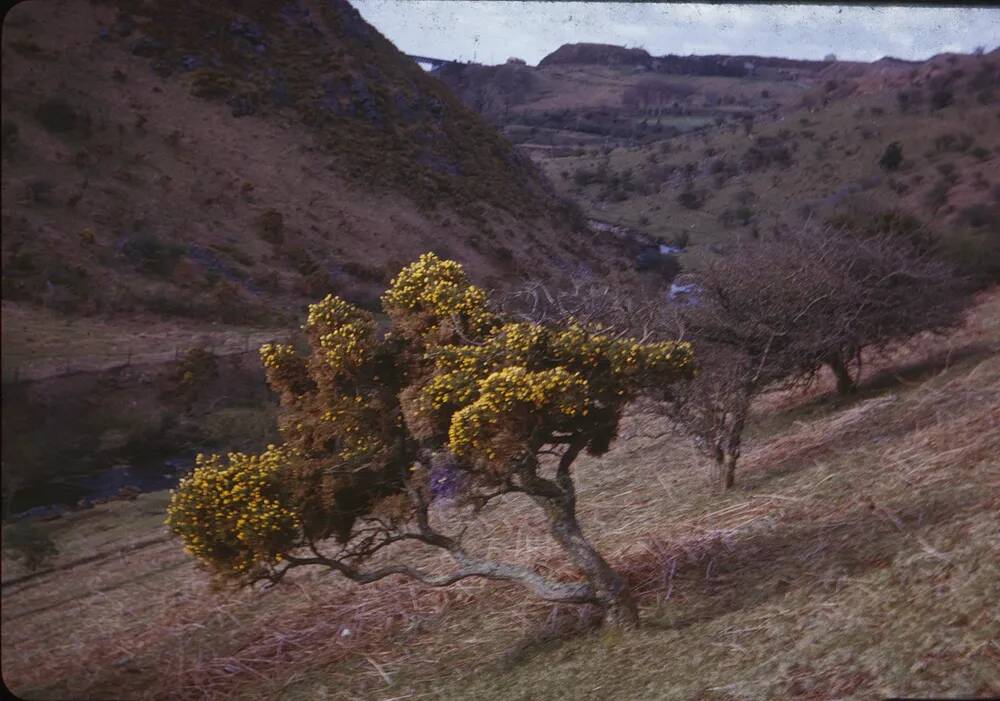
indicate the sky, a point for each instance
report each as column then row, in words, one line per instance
column 490, row 32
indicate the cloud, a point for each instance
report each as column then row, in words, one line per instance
column 492, row 31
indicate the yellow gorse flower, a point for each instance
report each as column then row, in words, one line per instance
column 229, row 513
column 442, row 289
column 487, row 388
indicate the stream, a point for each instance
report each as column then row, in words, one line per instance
column 62, row 494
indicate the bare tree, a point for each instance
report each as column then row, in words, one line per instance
column 889, row 288
column 772, row 313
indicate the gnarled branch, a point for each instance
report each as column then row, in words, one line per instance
column 548, row 590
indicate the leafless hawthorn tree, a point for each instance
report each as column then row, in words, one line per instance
column 887, row 287
column 773, row 313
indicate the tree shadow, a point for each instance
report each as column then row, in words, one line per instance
column 713, row 577
column 716, row 577
column 886, row 378
column 758, row 467
column 924, row 368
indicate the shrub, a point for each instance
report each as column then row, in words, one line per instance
column 892, row 157
column 504, row 256
column 691, row 199
column 269, row 281
column 947, row 171
column 40, row 191
column 651, row 260
column 272, row 227
column 980, row 215
column 457, row 401
column 767, row 151
column 315, row 284
column 26, row 542
column 909, row 99
column 680, row 240
column 937, row 196
column 941, row 98
column 150, row 255
column 57, row 115
column 719, row 165
column 194, row 371
column 583, row 176
column 209, row 84
column 363, row 271
column 573, row 213
column 739, row 215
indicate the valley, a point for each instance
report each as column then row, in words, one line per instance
column 467, row 319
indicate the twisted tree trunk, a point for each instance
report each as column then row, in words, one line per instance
column 725, row 470
column 727, row 447
column 558, row 499
column 845, row 383
column 610, row 588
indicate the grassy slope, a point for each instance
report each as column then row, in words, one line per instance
column 368, row 161
column 835, row 147
column 859, row 558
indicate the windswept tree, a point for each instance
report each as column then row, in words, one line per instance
column 885, row 285
column 454, row 399
column 772, row 313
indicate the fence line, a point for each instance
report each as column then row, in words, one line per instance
column 15, row 371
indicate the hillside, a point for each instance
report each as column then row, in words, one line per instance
column 680, row 151
column 190, row 176
column 229, row 162
column 858, row 559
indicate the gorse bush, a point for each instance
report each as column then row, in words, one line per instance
column 195, row 370
column 453, row 399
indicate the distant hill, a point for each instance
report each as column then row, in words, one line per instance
column 707, row 149
column 607, row 54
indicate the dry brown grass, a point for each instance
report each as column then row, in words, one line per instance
column 858, row 559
